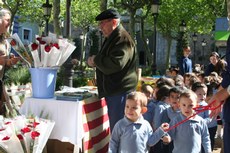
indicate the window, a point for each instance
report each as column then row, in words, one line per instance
column 27, row 35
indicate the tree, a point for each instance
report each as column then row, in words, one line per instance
column 131, row 6
column 199, row 16
column 27, row 10
column 81, row 16
column 56, row 17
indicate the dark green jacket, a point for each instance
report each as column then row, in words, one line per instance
column 116, row 64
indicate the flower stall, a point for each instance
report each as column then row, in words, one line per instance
column 43, row 58
column 24, row 135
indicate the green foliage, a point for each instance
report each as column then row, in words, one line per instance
column 28, row 10
column 18, row 75
column 84, row 13
column 60, row 78
column 182, row 41
column 94, row 48
column 79, row 81
column 147, row 71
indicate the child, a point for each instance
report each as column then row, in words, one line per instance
column 160, row 116
column 132, row 133
column 201, row 91
column 147, row 89
column 173, row 110
column 188, row 136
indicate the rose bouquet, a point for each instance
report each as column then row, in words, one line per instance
column 24, row 135
column 47, row 51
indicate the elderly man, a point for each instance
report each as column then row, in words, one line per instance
column 115, row 64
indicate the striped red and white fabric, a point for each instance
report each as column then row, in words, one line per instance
column 96, row 126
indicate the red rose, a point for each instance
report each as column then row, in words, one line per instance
column 20, row 137
column 7, row 123
column 34, row 46
column 47, row 48
column 42, row 42
column 6, row 138
column 30, row 126
column 2, row 129
column 39, row 39
column 25, row 130
column 35, row 124
column 34, row 134
column 13, row 42
column 56, row 45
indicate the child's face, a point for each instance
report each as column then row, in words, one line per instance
column 201, row 94
column 201, row 78
column 154, row 93
column 132, row 110
column 173, row 73
column 174, row 99
column 187, row 52
column 149, row 93
column 187, row 81
column 187, row 105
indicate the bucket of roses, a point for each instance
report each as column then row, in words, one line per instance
column 44, row 57
column 24, row 135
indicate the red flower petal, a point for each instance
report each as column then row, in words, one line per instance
column 7, row 123
column 34, row 46
column 2, row 129
column 35, row 124
column 30, row 126
column 56, row 45
column 25, row 130
column 39, row 39
column 47, row 48
column 34, row 134
column 42, row 42
column 6, row 138
column 20, row 137
column 13, row 42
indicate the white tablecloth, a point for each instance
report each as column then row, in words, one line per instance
column 66, row 114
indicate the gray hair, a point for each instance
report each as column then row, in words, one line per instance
column 3, row 12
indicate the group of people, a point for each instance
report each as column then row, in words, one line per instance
column 173, row 116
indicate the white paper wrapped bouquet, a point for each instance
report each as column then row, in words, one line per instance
column 24, row 135
column 48, row 51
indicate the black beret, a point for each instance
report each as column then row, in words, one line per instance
column 108, row 14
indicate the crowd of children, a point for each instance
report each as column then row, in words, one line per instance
column 171, row 116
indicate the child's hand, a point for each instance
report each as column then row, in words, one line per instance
column 165, row 126
column 166, row 139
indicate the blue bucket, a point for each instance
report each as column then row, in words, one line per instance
column 43, row 82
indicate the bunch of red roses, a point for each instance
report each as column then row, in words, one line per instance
column 48, row 51
column 24, row 135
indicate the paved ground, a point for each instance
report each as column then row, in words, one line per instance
column 218, row 144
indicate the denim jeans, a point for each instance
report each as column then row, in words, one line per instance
column 116, row 107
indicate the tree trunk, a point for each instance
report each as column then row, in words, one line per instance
column 56, row 13
column 103, row 5
column 228, row 10
column 132, row 22
column 68, row 18
column 168, row 59
column 149, row 59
